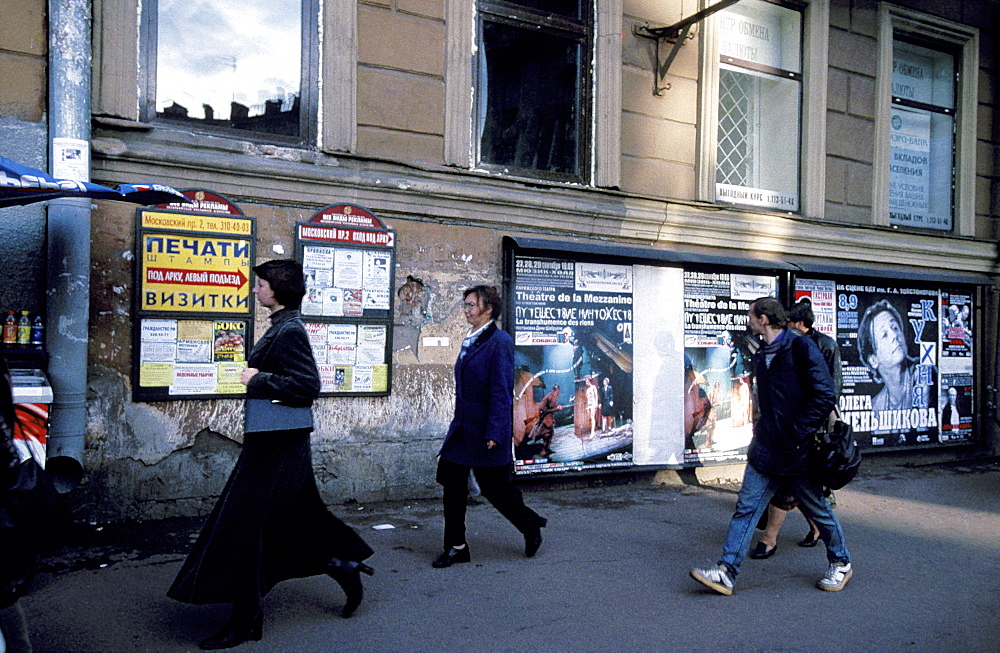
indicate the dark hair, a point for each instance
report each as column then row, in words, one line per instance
column 866, row 339
column 772, row 308
column 802, row 312
column 488, row 296
column 286, row 280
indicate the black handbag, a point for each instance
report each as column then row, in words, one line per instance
column 836, row 456
column 268, row 415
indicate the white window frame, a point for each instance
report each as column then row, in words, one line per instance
column 117, row 69
column 460, row 48
column 894, row 21
column 812, row 143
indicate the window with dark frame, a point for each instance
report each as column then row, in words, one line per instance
column 922, row 136
column 533, row 90
column 241, row 65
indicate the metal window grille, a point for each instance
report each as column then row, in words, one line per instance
column 737, row 97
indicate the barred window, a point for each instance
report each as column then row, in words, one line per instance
column 759, row 118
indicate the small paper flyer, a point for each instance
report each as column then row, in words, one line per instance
column 229, row 378
column 230, row 341
column 353, row 302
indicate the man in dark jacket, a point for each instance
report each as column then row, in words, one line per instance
column 800, row 320
column 794, row 398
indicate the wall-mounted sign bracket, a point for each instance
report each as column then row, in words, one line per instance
column 676, row 34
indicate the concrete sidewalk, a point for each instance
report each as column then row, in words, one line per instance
column 611, row 576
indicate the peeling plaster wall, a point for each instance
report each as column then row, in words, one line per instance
column 161, row 459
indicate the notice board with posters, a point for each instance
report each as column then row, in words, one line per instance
column 908, row 358
column 621, row 360
column 192, row 303
column 348, row 256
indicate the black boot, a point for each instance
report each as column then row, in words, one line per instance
column 347, row 573
column 243, row 625
column 533, row 538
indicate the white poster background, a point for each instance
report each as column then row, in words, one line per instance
column 658, row 377
column 158, row 331
column 194, row 379
column 348, row 268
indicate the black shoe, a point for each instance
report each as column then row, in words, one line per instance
column 533, row 539
column 809, row 540
column 761, row 552
column 531, row 544
column 452, row 556
column 237, row 630
column 347, row 573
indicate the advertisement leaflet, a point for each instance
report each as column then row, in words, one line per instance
column 718, row 352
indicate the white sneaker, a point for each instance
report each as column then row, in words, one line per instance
column 717, row 578
column 836, row 577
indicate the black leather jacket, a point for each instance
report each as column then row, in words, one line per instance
column 795, row 396
column 284, row 357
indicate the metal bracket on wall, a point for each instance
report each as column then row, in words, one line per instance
column 676, row 34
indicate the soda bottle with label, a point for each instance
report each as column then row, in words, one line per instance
column 24, row 329
column 10, row 329
column 37, row 331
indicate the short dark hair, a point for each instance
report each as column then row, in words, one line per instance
column 802, row 312
column 286, row 280
column 488, row 296
column 772, row 308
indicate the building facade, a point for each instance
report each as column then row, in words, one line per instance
column 839, row 150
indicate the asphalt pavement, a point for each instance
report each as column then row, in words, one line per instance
column 612, row 575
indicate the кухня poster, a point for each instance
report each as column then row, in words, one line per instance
column 889, row 344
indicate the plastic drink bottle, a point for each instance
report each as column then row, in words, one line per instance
column 24, row 329
column 10, row 329
column 37, row 331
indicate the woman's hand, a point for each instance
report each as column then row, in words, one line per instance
column 490, row 444
column 247, row 374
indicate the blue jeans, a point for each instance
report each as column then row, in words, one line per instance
column 754, row 496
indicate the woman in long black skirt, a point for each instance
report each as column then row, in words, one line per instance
column 270, row 523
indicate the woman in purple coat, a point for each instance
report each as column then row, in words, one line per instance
column 479, row 438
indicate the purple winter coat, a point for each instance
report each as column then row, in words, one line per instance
column 484, row 403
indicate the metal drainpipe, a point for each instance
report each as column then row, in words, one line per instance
column 68, row 296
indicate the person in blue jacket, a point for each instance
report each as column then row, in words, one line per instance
column 795, row 395
column 480, row 435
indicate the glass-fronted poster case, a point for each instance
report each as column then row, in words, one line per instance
column 620, row 365
column 572, row 328
column 347, row 255
column 192, row 300
column 718, row 400
column 192, row 357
